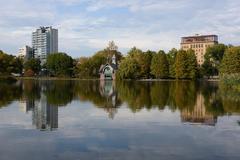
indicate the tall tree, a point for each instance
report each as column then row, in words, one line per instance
column 60, row 64
column 171, row 56
column 186, row 65
column 143, row 60
column 128, row 69
column 9, row 64
column 159, row 65
column 231, row 61
column 84, row 68
column 33, row 64
column 213, row 58
column 112, row 46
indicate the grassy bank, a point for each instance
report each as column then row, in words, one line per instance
column 231, row 80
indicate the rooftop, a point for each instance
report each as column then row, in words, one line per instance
column 200, row 38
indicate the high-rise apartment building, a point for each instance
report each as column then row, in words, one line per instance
column 44, row 42
column 199, row 43
column 25, row 52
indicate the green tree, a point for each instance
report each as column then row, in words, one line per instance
column 89, row 66
column 207, row 69
column 159, row 65
column 171, row 56
column 60, row 64
column 186, row 65
column 213, row 58
column 18, row 65
column 128, row 69
column 231, row 61
column 33, row 64
column 9, row 64
column 215, row 53
column 147, row 60
column 83, row 68
column 143, row 60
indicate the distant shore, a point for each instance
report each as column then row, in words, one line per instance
column 97, row 79
column 55, row 78
column 149, row 80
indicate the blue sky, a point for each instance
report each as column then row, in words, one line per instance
column 86, row 26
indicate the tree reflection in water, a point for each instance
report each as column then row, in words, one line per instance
column 197, row 102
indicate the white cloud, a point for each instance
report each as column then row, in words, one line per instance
column 87, row 25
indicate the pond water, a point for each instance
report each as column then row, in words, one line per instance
column 118, row 120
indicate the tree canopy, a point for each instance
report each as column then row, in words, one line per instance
column 231, row 61
column 159, row 65
column 212, row 60
column 60, row 64
column 33, row 65
column 171, row 57
column 89, row 66
column 186, row 65
column 10, row 64
column 128, row 69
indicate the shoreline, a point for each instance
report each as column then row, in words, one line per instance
column 97, row 79
column 54, row 78
column 159, row 80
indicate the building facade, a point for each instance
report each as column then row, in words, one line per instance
column 108, row 71
column 199, row 43
column 44, row 42
column 25, row 52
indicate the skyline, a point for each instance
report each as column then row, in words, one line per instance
column 86, row 26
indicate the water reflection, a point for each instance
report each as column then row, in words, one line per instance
column 34, row 99
column 198, row 103
column 107, row 90
column 44, row 115
column 199, row 114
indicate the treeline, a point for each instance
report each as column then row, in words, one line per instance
column 58, row 64
column 179, row 64
column 176, row 64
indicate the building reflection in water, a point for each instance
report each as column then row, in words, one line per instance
column 199, row 114
column 107, row 90
column 26, row 105
column 104, row 95
column 44, row 115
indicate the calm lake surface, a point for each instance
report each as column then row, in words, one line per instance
column 127, row 120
